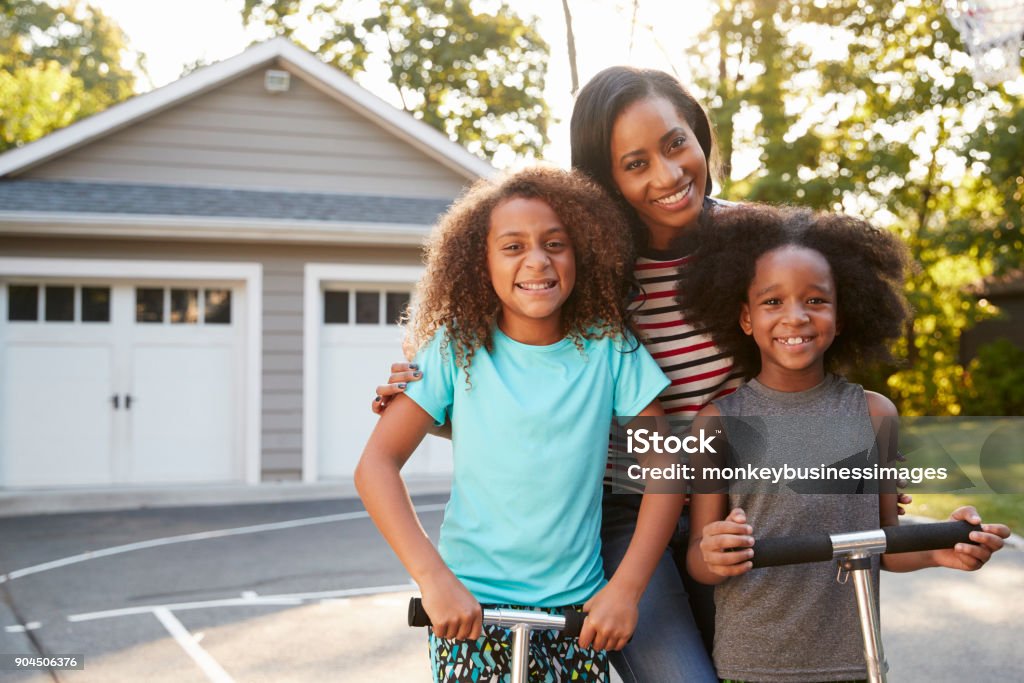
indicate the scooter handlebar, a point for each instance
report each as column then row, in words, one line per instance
column 908, row 539
column 417, row 615
column 773, row 552
column 573, row 618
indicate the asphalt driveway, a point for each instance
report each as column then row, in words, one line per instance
column 308, row 591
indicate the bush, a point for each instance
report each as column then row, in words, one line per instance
column 994, row 381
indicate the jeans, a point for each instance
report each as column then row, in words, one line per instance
column 667, row 645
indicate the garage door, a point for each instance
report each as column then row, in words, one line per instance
column 113, row 382
column 358, row 341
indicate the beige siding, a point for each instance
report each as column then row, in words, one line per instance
column 241, row 136
column 283, row 268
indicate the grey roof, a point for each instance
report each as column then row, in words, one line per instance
column 165, row 200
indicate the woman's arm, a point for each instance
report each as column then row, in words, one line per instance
column 613, row 612
column 964, row 556
column 455, row 613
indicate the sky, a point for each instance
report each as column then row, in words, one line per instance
column 179, row 33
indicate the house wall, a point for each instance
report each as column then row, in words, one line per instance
column 241, row 136
column 282, row 316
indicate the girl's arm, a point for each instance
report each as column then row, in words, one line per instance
column 964, row 556
column 720, row 545
column 613, row 612
column 453, row 610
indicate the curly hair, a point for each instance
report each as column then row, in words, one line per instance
column 456, row 293
column 868, row 267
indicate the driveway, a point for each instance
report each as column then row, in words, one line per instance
column 308, row 591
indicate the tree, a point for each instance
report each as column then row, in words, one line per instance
column 58, row 63
column 477, row 77
column 880, row 121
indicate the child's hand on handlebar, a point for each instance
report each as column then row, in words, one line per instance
column 727, row 546
column 611, row 619
column 454, row 613
column 965, row 556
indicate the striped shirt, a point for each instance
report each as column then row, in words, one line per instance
column 698, row 370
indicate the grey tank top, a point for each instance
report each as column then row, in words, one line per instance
column 795, row 623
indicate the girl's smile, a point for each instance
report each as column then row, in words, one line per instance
column 791, row 314
column 659, row 167
column 532, row 267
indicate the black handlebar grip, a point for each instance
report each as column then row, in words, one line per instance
column 772, row 552
column 573, row 622
column 908, row 539
column 417, row 615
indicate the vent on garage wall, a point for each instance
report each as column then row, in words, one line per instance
column 277, row 81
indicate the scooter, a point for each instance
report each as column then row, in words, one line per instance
column 852, row 552
column 521, row 623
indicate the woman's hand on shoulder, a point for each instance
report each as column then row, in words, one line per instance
column 967, row 556
column 401, row 374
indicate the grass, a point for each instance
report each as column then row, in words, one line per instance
column 1006, row 508
column 984, row 453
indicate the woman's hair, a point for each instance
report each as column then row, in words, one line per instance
column 599, row 105
column 456, row 292
column 867, row 264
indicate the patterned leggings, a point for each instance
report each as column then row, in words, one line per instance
column 488, row 659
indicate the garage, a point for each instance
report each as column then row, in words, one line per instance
column 111, row 377
column 351, row 340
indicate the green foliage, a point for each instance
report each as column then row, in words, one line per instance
column 995, row 381
column 37, row 99
column 882, row 120
column 477, row 77
column 58, row 63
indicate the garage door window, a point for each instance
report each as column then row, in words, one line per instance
column 184, row 305
column 57, row 303
column 23, row 302
column 60, row 304
column 370, row 307
column 95, row 304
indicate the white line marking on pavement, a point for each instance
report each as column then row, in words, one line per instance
column 20, row 628
column 181, row 606
column 289, row 599
column 199, row 536
column 208, row 664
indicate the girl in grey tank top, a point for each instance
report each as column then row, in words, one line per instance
column 792, row 296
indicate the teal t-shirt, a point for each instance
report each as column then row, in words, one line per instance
column 530, row 442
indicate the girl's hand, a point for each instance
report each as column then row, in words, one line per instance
column 401, row 373
column 611, row 619
column 719, row 540
column 967, row 557
column 454, row 613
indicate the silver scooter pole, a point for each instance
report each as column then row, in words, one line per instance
column 853, row 551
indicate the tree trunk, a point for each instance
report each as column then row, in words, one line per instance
column 571, row 41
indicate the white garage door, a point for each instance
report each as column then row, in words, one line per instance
column 358, row 342
column 107, row 382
